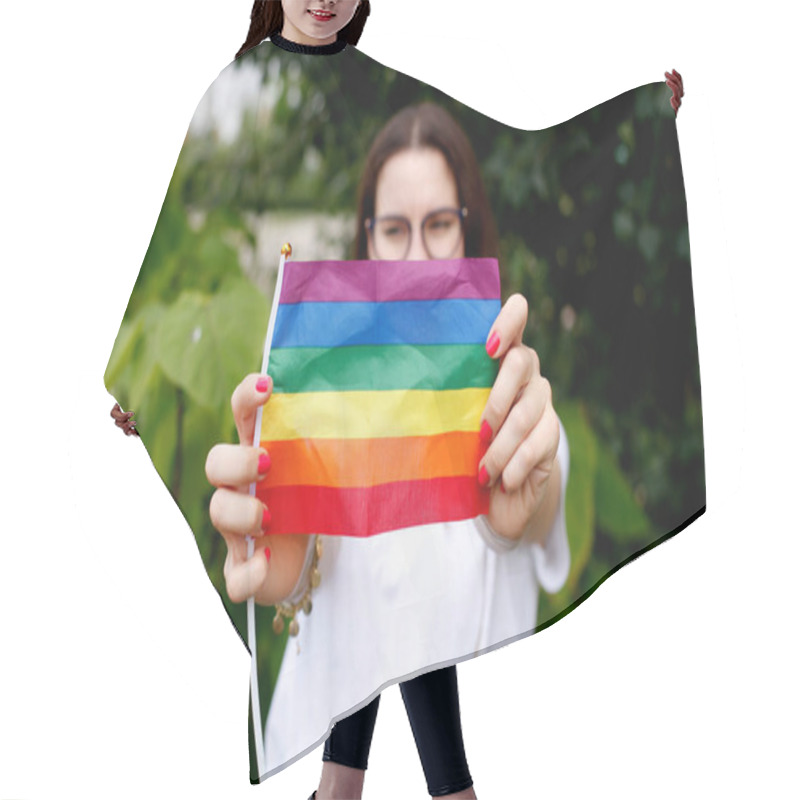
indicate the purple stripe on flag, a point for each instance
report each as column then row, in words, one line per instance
column 386, row 281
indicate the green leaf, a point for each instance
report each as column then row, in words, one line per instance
column 146, row 362
column 133, row 359
column 120, row 356
column 156, row 419
column 617, row 509
column 207, row 344
column 580, row 497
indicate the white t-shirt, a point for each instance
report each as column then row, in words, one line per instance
column 395, row 605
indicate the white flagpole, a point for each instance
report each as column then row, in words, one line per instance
column 258, row 729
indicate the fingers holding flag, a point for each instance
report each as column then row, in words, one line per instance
column 527, row 436
column 519, row 424
column 270, row 574
column 236, row 465
column 245, row 577
column 236, row 514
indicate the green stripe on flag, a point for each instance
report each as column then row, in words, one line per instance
column 381, row 367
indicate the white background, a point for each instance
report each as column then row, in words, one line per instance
column 120, row 674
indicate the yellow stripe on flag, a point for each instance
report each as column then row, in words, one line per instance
column 362, row 415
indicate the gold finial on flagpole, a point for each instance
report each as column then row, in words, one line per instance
column 286, row 250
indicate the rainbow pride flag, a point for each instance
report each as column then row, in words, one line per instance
column 380, row 379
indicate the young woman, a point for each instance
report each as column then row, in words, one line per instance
column 421, row 197
column 317, row 23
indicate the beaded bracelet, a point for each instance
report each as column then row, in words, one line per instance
column 289, row 610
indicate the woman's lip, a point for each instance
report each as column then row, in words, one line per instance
column 321, row 15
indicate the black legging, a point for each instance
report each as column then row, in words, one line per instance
column 432, row 706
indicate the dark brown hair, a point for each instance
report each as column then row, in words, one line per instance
column 266, row 19
column 429, row 125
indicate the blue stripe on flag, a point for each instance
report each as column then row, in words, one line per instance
column 401, row 322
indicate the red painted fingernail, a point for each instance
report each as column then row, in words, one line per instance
column 268, row 554
column 262, row 384
column 483, row 476
column 486, row 431
column 266, row 518
column 502, row 488
column 264, row 463
column 492, row 344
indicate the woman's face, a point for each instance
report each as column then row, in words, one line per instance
column 411, row 184
column 316, row 22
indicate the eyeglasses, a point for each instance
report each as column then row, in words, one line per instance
column 442, row 231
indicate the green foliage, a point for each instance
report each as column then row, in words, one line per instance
column 193, row 329
column 157, row 421
column 618, row 513
column 599, row 503
column 200, row 344
column 581, row 499
column 132, row 363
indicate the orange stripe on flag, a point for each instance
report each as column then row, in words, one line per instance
column 368, row 462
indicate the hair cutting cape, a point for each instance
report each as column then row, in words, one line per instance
column 381, row 377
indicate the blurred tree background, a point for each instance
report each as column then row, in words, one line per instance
column 593, row 227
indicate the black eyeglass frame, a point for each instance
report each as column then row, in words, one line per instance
column 369, row 224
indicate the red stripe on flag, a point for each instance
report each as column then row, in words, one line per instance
column 376, row 509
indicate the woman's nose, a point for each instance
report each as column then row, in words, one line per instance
column 417, row 252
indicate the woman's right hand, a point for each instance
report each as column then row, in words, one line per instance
column 235, row 514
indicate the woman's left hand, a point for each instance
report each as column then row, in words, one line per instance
column 521, row 423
